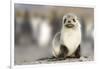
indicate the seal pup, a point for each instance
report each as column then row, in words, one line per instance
column 66, row 43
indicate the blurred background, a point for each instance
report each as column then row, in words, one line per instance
column 36, row 25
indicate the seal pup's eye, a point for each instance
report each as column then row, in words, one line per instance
column 74, row 20
column 65, row 20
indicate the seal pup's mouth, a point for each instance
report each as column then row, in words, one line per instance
column 69, row 25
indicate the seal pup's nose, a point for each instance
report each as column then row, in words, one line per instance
column 69, row 21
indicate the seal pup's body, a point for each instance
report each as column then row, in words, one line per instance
column 69, row 38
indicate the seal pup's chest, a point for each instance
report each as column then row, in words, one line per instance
column 71, row 38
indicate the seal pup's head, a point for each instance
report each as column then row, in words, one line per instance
column 70, row 21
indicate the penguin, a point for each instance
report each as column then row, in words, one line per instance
column 34, row 22
column 41, row 29
column 66, row 43
column 45, row 31
column 19, row 20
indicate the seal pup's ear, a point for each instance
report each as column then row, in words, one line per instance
column 78, row 17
